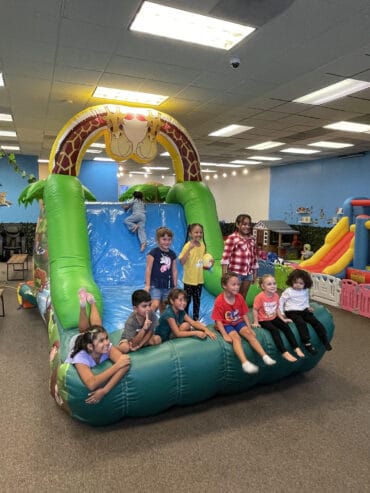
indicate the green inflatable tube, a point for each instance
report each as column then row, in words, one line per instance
column 68, row 247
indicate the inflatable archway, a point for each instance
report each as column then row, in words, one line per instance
column 180, row 371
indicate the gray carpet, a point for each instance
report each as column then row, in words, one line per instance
column 309, row 433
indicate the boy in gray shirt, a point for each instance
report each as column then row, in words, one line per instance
column 139, row 327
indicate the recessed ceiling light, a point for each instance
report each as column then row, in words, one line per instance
column 6, row 117
column 330, row 145
column 270, row 144
column 349, row 127
column 299, row 150
column 182, row 25
column 334, row 91
column 1, row 80
column 165, row 154
column 11, row 148
column 43, row 160
column 245, row 161
column 129, row 96
column 7, row 133
column 265, row 158
column 245, row 171
column 230, row 130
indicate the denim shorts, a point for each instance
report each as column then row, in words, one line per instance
column 238, row 327
column 160, row 294
column 248, row 277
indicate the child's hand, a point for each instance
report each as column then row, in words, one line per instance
column 210, row 334
column 310, row 309
column 147, row 323
column 255, row 325
column 287, row 320
column 95, row 396
column 123, row 361
column 200, row 334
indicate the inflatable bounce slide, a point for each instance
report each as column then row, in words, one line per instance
column 81, row 243
column 347, row 244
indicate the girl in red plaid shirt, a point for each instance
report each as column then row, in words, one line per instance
column 240, row 253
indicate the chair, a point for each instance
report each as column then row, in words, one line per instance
column 12, row 241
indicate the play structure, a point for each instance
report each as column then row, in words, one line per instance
column 346, row 250
column 82, row 243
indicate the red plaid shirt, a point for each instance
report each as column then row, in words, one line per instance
column 240, row 254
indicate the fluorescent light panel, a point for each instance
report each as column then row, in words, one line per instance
column 165, row 154
column 93, row 151
column 222, row 165
column 103, row 159
column 349, row 127
column 182, row 25
column 270, row 144
column 129, row 96
column 6, row 117
column 334, row 91
column 265, row 158
column 7, row 133
column 1, row 80
column 43, row 160
column 299, row 150
column 155, row 167
column 11, row 148
column 98, row 144
column 230, row 130
column 330, row 145
column 245, row 161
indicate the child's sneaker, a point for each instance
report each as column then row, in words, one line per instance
column 268, row 360
column 249, row 367
column 82, row 297
column 310, row 348
column 90, row 298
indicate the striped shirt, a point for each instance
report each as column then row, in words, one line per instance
column 240, row 254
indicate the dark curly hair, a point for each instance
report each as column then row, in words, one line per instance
column 299, row 274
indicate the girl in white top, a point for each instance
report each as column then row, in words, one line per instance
column 294, row 303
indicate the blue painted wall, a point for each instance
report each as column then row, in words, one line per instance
column 321, row 186
column 101, row 179
column 13, row 184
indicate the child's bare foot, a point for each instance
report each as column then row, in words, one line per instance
column 134, row 228
column 82, row 297
column 90, row 298
column 143, row 246
column 288, row 357
column 298, row 351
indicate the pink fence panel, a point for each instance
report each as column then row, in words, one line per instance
column 364, row 300
column 349, row 295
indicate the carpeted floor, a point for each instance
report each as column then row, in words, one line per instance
column 309, row 433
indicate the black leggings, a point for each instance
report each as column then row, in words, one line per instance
column 193, row 293
column 300, row 318
column 273, row 326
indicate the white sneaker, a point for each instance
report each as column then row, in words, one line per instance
column 268, row 360
column 249, row 367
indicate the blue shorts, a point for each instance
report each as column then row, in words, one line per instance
column 242, row 277
column 238, row 327
column 159, row 294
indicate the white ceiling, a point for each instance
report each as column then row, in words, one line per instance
column 54, row 53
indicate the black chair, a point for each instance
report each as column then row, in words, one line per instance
column 12, row 241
